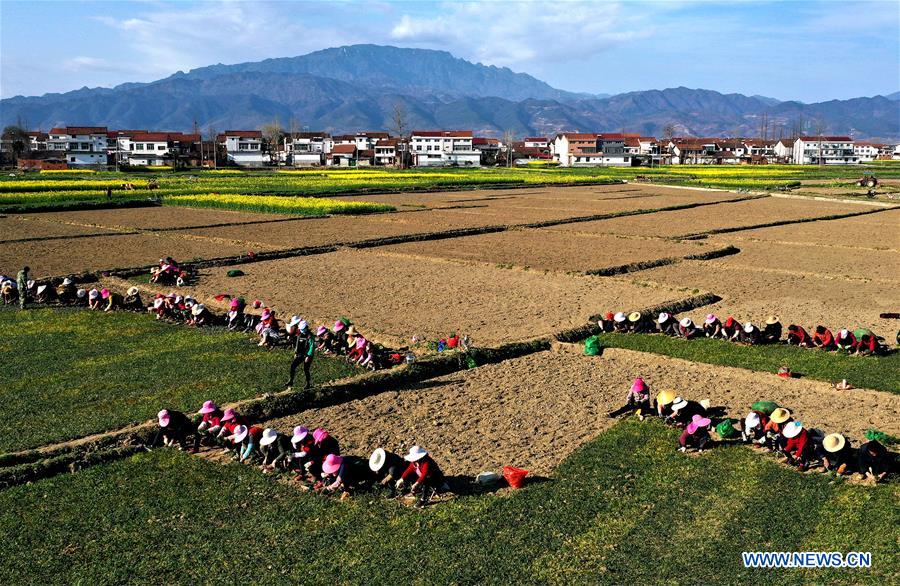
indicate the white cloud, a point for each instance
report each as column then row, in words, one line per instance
column 516, row 33
column 84, row 63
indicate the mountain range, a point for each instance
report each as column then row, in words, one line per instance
column 358, row 87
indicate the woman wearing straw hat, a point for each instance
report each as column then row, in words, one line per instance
column 200, row 316
column 323, row 444
column 94, row 299
column 276, row 449
column 174, row 428
column 753, row 431
column 302, row 445
column 777, row 420
column 620, row 322
column 66, row 291
column 797, row 448
column 427, row 474
column 712, row 327
column 687, row 329
column 386, row 466
column 771, row 334
column 210, row 422
column 663, row 403
column 835, row 453
column 346, row 473
column 269, row 329
column 636, row 323
column 750, row 335
column 696, row 435
column 44, row 294
column 667, row 324
column 683, row 411
column 133, row 300
column 229, row 422
column 246, row 440
column 638, row 400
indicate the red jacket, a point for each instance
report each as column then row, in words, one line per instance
column 796, row 445
column 426, row 471
column 825, row 339
column 801, row 334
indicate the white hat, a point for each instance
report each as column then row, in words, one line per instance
column 751, row 421
column 157, row 303
column 834, row 442
column 67, row 281
column 377, row 459
column 748, row 327
column 686, row 322
column 663, row 317
column 619, row 317
column 268, row 436
column 792, row 429
column 29, row 283
column 844, row 333
column 41, row 289
column 294, row 321
column 415, row 454
column 240, row 432
column 189, row 303
column 678, row 404
column 80, row 293
column 94, row 294
column 133, row 290
column 299, row 435
column 303, row 325
column 197, row 309
column 179, row 299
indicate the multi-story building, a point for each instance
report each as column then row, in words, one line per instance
column 81, row 145
column 243, row 147
column 571, row 148
column 784, row 150
column 867, row 151
column 306, row 149
column 443, row 148
column 536, row 142
column 489, row 149
column 386, row 152
column 824, row 150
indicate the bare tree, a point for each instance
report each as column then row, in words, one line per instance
column 668, row 131
column 272, row 134
column 212, row 137
column 508, row 138
column 820, row 128
column 398, row 125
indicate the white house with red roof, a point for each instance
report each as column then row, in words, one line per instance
column 867, row 151
column 826, row 150
column 81, row 145
column 572, row 149
column 443, row 148
column 536, row 142
column 243, row 147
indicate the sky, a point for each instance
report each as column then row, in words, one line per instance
column 790, row 50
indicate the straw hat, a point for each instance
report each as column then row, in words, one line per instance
column 663, row 317
column 303, row 325
column 208, row 407
column 197, row 309
column 780, row 415
column 321, row 330
column 332, row 463
column 93, row 294
column 133, row 291
column 377, row 459
column 751, row 421
column 748, row 327
column 686, row 322
column 41, row 289
column 772, row 320
column 80, row 293
column 679, row 404
column 163, row 417
column 67, row 281
column 300, row 434
column 29, row 283
column 619, row 317
column 338, row 326
column 415, row 454
column 697, row 422
column 634, row 316
column 157, row 303
column 711, row 318
column 240, row 432
column 665, row 398
column 319, row 434
column 294, row 321
column 269, row 435
column 834, row 442
column 792, row 429
column 729, row 321
column 351, row 331
column 229, row 415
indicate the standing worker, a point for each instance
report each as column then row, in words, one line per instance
column 304, row 349
column 22, row 283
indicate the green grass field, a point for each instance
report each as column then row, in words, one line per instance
column 624, row 509
column 881, row 373
column 70, row 373
column 72, row 189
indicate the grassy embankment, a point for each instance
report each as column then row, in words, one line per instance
column 624, row 509
column 70, row 373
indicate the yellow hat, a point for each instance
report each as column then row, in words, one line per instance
column 780, row 415
column 634, row 316
column 665, row 397
column 834, row 442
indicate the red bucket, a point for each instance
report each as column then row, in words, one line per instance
column 514, row 476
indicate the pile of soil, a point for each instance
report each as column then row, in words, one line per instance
column 532, row 412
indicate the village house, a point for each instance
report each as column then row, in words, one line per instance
column 867, row 152
column 784, row 150
column 37, row 140
column 243, row 147
column 824, row 150
column 80, row 145
column 443, row 148
column 489, row 148
column 536, row 142
column 306, row 149
column 571, row 149
column 344, row 154
column 387, row 152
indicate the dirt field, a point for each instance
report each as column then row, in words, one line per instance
column 875, row 231
column 547, row 250
column 17, row 227
column 752, row 294
column 398, row 298
column 153, row 217
column 60, row 257
column 725, row 215
column 533, row 411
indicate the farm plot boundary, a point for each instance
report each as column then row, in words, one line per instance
column 714, row 231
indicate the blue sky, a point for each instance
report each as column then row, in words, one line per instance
column 809, row 51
